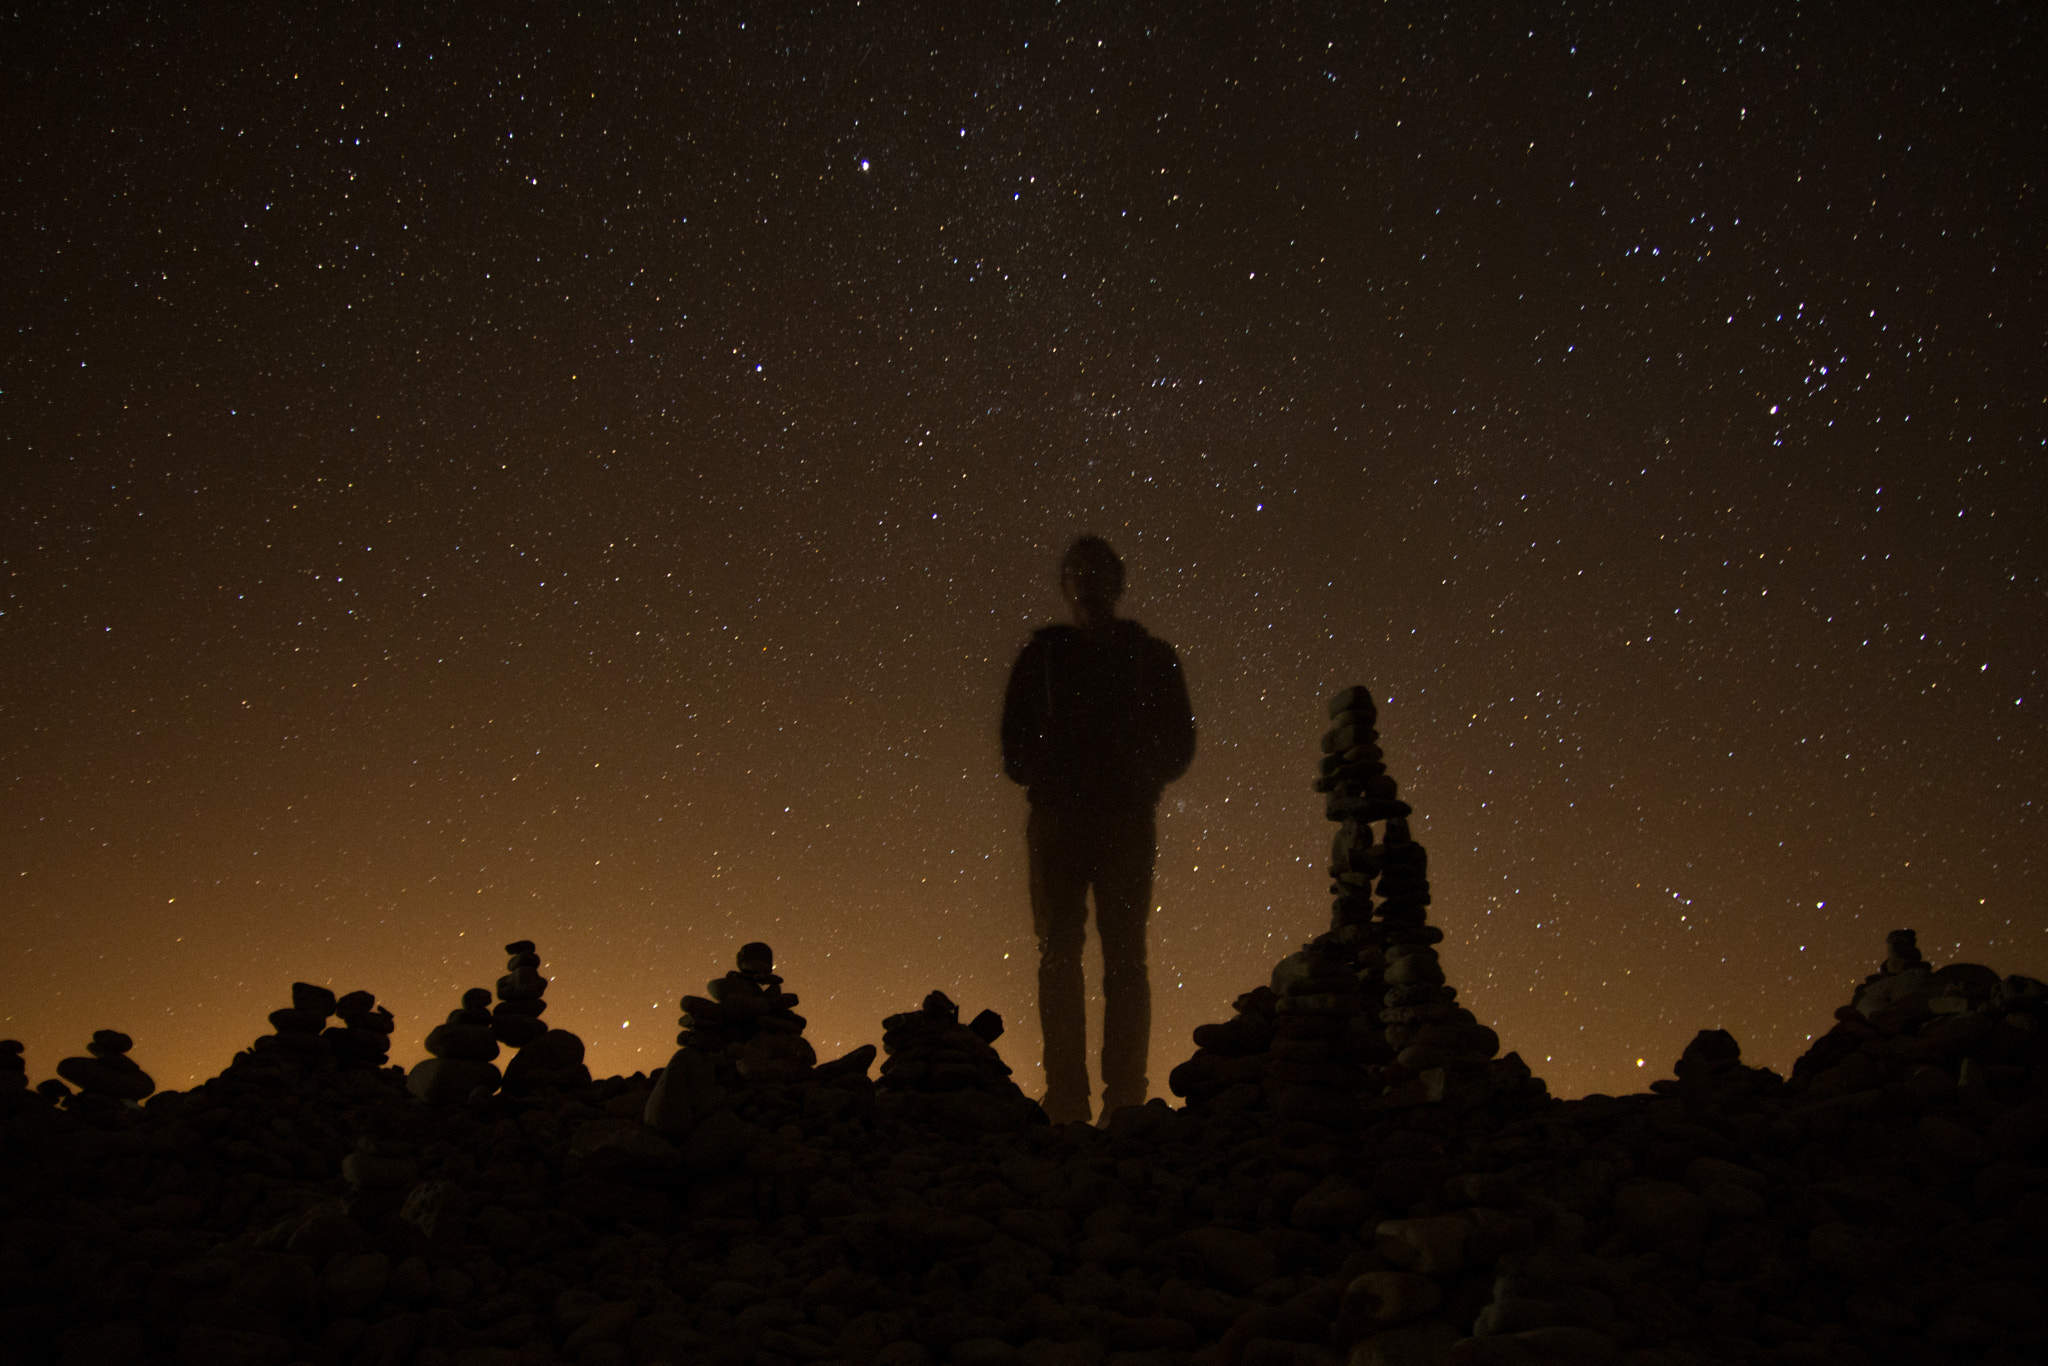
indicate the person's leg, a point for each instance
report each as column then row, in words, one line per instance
column 1123, row 903
column 1059, row 917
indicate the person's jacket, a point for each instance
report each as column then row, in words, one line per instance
column 1097, row 719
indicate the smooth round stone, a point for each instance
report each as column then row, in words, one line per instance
column 521, row 984
column 95, row 1078
column 517, row 1031
column 473, row 1043
column 315, row 999
column 292, row 1020
column 437, row 1081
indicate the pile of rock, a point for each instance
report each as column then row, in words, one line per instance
column 303, row 1041
column 463, row 1054
column 1361, row 1020
column 747, row 1024
column 363, row 1039
column 544, row 1057
column 108, row 1076
column 937, row 1069
column 1961, row 1029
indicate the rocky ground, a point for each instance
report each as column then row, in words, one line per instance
column 1889, row 1202
column 1355, row 1176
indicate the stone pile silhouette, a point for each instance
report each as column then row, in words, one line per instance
column 1361, row 1020
column 1333, row 1194
column 464, row 1048
column 542, row 1056
column 107, row 1075
column 462, row 1053
column 942, row 1071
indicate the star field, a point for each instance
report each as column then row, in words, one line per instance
column 585, row 478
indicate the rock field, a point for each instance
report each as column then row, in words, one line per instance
column 1356, row 1175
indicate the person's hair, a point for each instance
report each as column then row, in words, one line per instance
column 1093, row 553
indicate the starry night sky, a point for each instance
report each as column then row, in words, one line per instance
column 471, row 477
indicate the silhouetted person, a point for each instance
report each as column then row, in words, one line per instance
column 1095, row 725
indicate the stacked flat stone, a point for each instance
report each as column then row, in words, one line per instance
column 1361, row 1019
column 463, row 1051
column 545, row 1058
column 747, row 1024
column 108, row 1075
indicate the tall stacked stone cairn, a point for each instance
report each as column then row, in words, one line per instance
column 1360, row 1021
column 544, row 1057
column 107, row 1077
column 942, row 1071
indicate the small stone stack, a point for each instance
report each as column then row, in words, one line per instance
column 747, row 1023
column 463, row 1050
column 107, row 1077
column 515, row 1020
column 546, row 1057
column 298, row 1028
column 303, row 1038
column 1959, row 1030
column 1361, row 1018
column 939, row 1069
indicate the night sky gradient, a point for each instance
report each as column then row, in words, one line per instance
column 492, row 473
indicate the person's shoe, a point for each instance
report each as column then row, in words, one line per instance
column 1065, row 1109
column 1113, row 1101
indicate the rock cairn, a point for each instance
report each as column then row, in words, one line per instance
column 302, row 1040
column 1960, row 1029
column 939, row 1069
column 747, row 1024
column 1361, row 1019
column 463, row 1052
column 363, row 1038
column 107, row 1076
column 743, row 1053
column 544, row 1057
column 515, row 1020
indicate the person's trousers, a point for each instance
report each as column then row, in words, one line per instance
column 1111, row 852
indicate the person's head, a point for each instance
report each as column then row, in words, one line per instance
column 1091, row 578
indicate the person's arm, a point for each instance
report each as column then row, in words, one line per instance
column 1173, row 725
column 1024, row 716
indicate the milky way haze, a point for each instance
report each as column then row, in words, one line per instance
column 585, row 478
